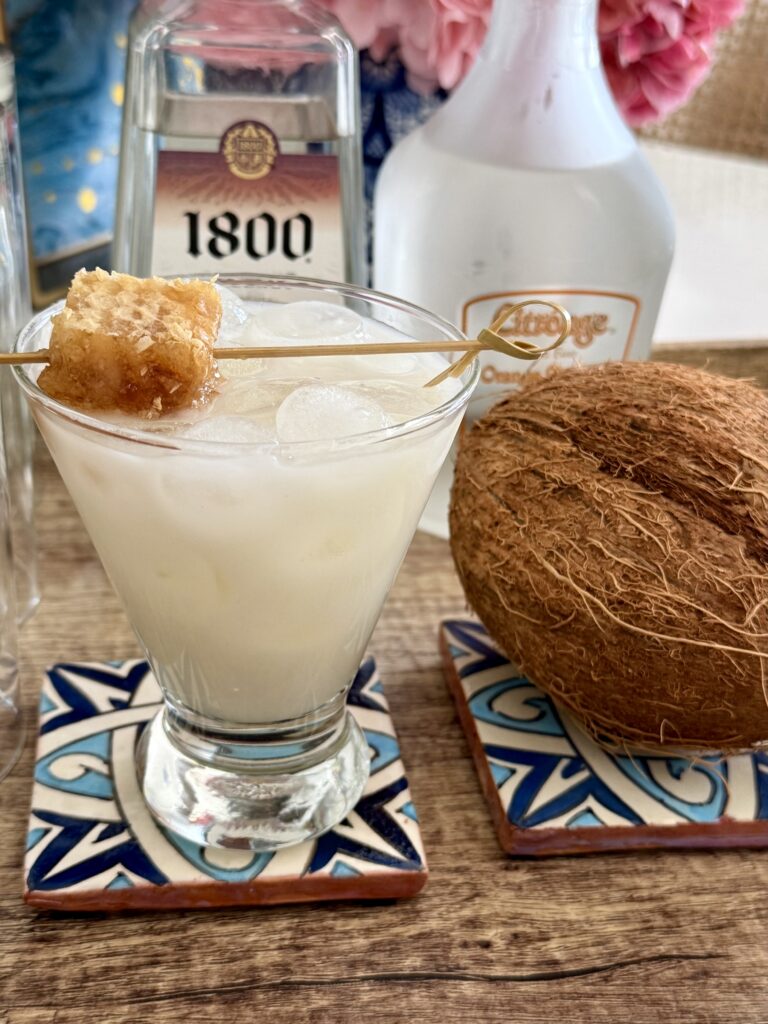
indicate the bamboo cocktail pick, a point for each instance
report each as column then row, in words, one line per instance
column 489, row 339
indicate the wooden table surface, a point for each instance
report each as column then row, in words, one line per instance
column 640, row 938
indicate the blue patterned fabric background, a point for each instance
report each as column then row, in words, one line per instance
column 390, row 110
column 70, row 59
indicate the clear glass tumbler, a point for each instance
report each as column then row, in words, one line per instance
column 253, row 575
column 11, row 722
column 15, row 309
column 18, row 564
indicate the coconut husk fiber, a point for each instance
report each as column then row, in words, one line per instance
column 610, row 528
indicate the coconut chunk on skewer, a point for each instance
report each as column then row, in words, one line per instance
column 140, row 346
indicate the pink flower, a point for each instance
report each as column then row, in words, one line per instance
column 459, row 32
column 373, row 26
column 437, row 39
column 417, row 30
column 655, row 52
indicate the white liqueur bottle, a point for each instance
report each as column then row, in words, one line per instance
column 528, row 183
column 241, row 144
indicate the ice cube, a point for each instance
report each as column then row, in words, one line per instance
column 309, row 321
column 322, row 412
column 394, row 364
column 239, row 369
column 399, row 401
column 339, row 368
column 230, row 429
column 241, row 329
column 234, row 316
column 253, row 398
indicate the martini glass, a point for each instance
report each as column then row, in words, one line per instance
column 253, row 574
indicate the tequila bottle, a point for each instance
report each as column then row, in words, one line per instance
column 241, row 142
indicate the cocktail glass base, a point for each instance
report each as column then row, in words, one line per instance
column 260, row 789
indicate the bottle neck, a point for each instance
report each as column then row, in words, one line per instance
column 545, row 32
column 537, row 96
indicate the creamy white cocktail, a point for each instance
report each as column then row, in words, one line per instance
column 253, row 541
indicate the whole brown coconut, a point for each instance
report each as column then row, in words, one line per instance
column 610, row 527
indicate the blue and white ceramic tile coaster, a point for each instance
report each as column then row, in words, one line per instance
column 92, row 844
column 552, row 790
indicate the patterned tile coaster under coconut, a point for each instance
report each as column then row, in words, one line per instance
column 552, row 790
column 610, row 528
column 92, row 844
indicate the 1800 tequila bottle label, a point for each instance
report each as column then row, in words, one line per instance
column 602, row 330
column 248, row 208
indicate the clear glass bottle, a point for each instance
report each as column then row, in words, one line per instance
column 528, row 183
column 18, row 432
column 241, row 143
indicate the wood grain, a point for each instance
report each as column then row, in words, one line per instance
column 641, row 938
